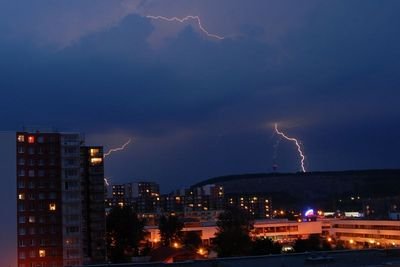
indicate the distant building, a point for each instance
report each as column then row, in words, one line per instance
column 59, row 191
column 258, row 206
column 144, row 197
column 121, row 195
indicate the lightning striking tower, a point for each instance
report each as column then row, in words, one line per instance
column 112, row 150
column 183, row 20
column 297, row 143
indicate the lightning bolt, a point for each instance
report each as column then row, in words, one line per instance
column 182, row 20
column 117, row 149
column 301, row 154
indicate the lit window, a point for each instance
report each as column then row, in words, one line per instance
column 31, row 219
column 31, row 139
column 42, row 253
column 21, row 138
column 21, row 196
column 52, row 206
column 96, row 161
column 94, row 152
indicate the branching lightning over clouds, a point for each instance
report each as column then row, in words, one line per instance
column 112, row 150
column 187, row 18
column 301, row 154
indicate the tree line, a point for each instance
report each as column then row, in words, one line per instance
column 126, row 236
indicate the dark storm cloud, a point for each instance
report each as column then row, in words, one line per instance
column 113, row 78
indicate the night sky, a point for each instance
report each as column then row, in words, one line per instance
column 196, row 107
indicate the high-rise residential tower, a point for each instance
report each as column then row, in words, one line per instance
column 57, row 212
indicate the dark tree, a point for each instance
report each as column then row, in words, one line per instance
column 170, row 229
column 265, row 246
column 192, row 239
column 124, row 233
column 232, row 238
column 313, row 243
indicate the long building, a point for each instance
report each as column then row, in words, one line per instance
column 278, row 230
column 60, row 212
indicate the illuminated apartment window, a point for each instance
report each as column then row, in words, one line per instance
column 31, row 219
column 96, row 161
column 42, row 253
column 21, row 138
column 31, row 139
column 52, row 206
column 21, row 196
column 94, row 152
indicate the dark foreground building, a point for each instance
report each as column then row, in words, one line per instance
column 60, row 200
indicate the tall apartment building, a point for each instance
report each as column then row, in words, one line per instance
column 58, row 217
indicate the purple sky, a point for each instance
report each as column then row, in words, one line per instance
column 196, row 107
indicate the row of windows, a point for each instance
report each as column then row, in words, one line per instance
column 38, row 219
column 278, row 229
column 36, row 206
column 36, row 150
column 30, row 139
column 37, row 230
column 372, row 227
column 36, row 184
column 41, row 253
column 41, row 264
column 372, row 236
column 33, row 196
column 33, row 242
column 69, row 173
column 40, row 162
column 31, row 173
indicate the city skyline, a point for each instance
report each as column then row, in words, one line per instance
column 195, row 106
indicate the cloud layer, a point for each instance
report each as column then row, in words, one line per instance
column 326, row 71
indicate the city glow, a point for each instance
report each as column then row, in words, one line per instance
column 297, row 144
column 112, row 150
column 183, row 20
